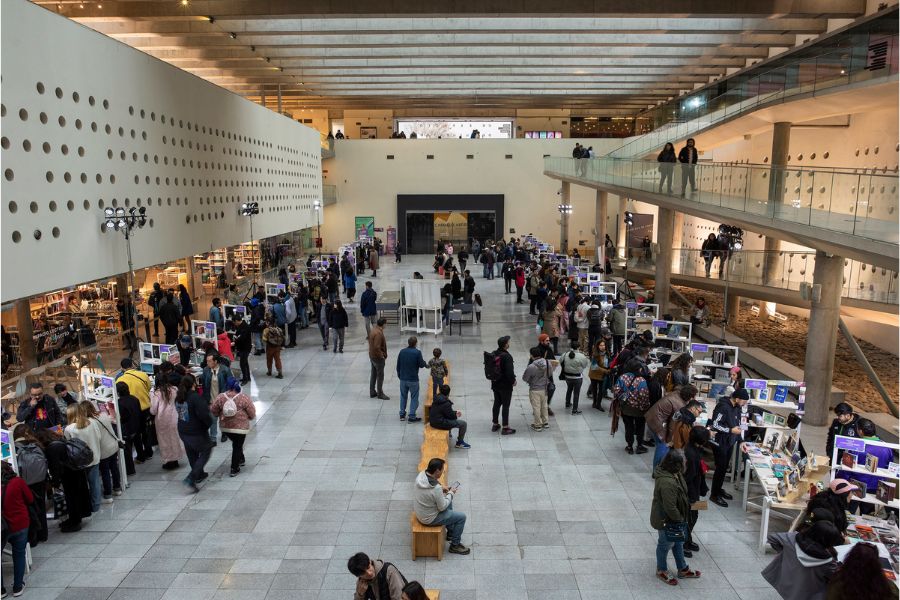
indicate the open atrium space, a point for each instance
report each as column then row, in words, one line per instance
column 391, row 300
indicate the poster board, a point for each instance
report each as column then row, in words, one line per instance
column 272, row 290
column 232, row 309
column 100, row 390
column 155, row 354
column 201, row 332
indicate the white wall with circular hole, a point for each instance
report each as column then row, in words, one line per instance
column 89, row 122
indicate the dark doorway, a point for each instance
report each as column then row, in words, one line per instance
column 416, row 217
column 419, row 233
column 482, row 226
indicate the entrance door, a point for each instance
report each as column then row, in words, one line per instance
column 419, row 233
column 482, row 226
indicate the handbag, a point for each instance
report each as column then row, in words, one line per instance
column 675, row 532
column 120, row 443
column 551, row 387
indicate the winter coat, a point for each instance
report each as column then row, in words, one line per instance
column 670, row 499
column 240, row 422
column 409, row 361
column 687, row 155
column 442, row 413
column 682, row 423
column 280, row 313
column 138, row 384
column 836, row 428
column 90, row 435
column 660, row 413
column 339, row 318
column 170, row 446
column 391, row 578
column 617, row 321
column 429, row 499
column 225, row 346
column 537, row 375
column 215, row 315
column 367, row 303
column 290, row 310
column 194, row 419
column 43, row 415
column 377, row 344
column 573, row 368
column 694, row 477
column 373, row 259
column 666, row 156
column 801, row 570
column 187, row 307
column 222, row 375
column 725, row 417
column 242, row 339
column 507, row 378
column 169, row 314
column 709, row 249
column 581, row 315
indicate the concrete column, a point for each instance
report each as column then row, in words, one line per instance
column 620, row 227
column 732, row 307
column 781, row 145
column 564, row 218
column 262, row 98
column 279, row 98
column 26, row 335
column 664, row 257
column 677, row 238
column 821, row 339
column 601, row 207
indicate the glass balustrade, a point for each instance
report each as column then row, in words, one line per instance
column 787, row 270
column 859, row 202
column 866, row 51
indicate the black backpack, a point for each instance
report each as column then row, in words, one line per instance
column 492, row 368
column 78, row 454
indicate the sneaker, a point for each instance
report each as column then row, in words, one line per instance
column 576, row 412
column 243, row 462
column 117, row 491
column 383, row 397
column 629, row 450
column 234, row 472
column 495, row 427
column 691, row 546
column 459, row 549
column 107, row 499
column 546, row 426
column 402, row 417
column 21, row 589
column 536, row 427
column 169, row 466
column 461, row 444
column 640, row 450
column 192, row 487
column 413, row 419
column 279, row 376
column 202, row 477
column 507, row 431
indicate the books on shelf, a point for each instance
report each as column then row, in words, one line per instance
column 886, row 491
column 872, row 463
column 848, row 459
column 861, row 492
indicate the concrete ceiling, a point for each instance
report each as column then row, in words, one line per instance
column 615, row 55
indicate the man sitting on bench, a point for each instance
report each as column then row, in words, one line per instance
column 375, row 579
column 433, row 504
column 442, row 416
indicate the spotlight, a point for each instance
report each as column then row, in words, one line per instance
column 109, row 212
column 629, row 218
column 211, row 19
column 565, row 209
column 233, row 35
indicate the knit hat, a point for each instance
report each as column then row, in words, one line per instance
column 740, row 394
column 543, row 338
column 841, row 486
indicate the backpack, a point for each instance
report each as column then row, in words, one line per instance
column 229, row 409
column 32, row 464
column 78, row 454
column 595, row 319
column 632, row 390
column 276, row 336
column 492, row 369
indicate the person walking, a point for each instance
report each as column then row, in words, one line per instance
column 599, row 374
column 687, row 156
column 194, row 422
column 16, row 497
column 409, row 361
column 468, row 288
column 519, row 277
column 695, row 479
column 503, row 380
column 572, row 365
column 187, row 306
column 212, row 382
column 235, row 410
column 339, row 323
column 618, row 326
column 377, row 358
column 709, row 251
column 350, row 283
column 537, row 376
column 273, row 338
column 368, row 307
column 669, row 515
column 242, row 346
column 373, row 261
column 170, row 316
column 667, row 162
column 162, row 407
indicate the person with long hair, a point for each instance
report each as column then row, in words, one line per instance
column 666, row 159
column 187, row 306
column 15, row 499
column 680, row 369
column 235, row 411
column 82, row 427
column 73, row 481
column 111, row 479
column 669, row 515
column 194, row 421
column 27, row 443
column 861, row 576
column 413, row 591
column 599, row 373
column 162, row 407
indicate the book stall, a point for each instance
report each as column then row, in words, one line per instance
column 100, row 389
column 881, row 533
column 670, row 338
column 153, row 355
column 229, row 310
column 872, row 466
column 710, row 371
column 202, row 332
column 639, row 318
column 272, row 291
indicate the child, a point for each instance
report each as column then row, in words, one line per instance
column 438, row 368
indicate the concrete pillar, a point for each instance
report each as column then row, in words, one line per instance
column 262, row 98
column 564, row 218
column 732, row 307
column 821, row 340
column 781, row 145
column 620, row 227
column 26, row 334
column 664, row 257
column 279, row 98
column 677, row 238
column 601, row 207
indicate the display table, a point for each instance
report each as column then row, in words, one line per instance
column 388, row 306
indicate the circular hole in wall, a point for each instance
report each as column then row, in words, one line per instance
column 52, row 206
column 49, row 176
column 106, row 104
column 64, row 149
column 23, row 114
column 75, row 97
column 26, row 145
column 61, row 120
column 84, row 178
column 46, row 147
column 4, row 143
column 87, row 205
column 37, row 234
column 876, row 149
column 13, row 207
column 70, row 205
column 33, row 207
column 67, row 177
column 8, row 174
column 16, row 237
column 43, row 118
column 59, row 93
column 40, row 87
column 55, row 232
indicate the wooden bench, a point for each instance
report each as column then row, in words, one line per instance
column 433, row 594
column 429, row 394
column 427, row 540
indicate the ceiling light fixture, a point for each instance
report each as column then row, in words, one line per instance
column 233, row 35
column 211, row 19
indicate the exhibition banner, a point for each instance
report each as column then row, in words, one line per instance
column 451, row 227
column 391, row 241
column 364, row 228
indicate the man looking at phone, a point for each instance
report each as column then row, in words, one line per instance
column 433, row 504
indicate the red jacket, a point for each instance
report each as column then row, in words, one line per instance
column 225, row 346
column 16, row 497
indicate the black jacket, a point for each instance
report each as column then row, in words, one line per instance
column 242, row 341
column 507, row 374
column 469, row 285
column 724, row 418
column 43, row 415
column 442, row 413
column 835, row 503
column 194, row 418
column 129, row 415
column 687, row 155
column 338, row 318
column 693, row 476
column 848, row 430
column 667, row 156
column 169, row 314
column 257, row 318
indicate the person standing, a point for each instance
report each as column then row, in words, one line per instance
column 138, row 384
column 468, row 288
column 502, row 383
column 695, row 479
column 377, row 358
column 129, row 419
column 216, row 315
column 40, row 411
column 280, row 314
column 339, row 323
column 508, row 272
column 687, row 156
column 438, row 367
column 242, row 346
column 235, row 411
column 660, row 414
column 537, row 376
column 519, row 276
column 187, row 306
column 88, row 431
column 463, row 258
column 273, row 338
column 170, row 316
column 709, row 251
column 582, row 323
column 15, row 499
column 350, row 283
column 669, row 516
column 368, row 307
column 290, row 318
column 162, row 407
column 726, row 422
column 618, row 326
column 373, row 261
column 398, row 253
column 666, row 160
column 156, row 299
column 194, row 422
column 845, row 423
column 598, row 374
column 572, row 365
column 324, row 320
column 213, row 380
column 409, row 361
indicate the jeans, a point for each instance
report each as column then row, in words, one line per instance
column 634, row 430
column 502, row 400
column 484, row 270
column 214, row 430
column 687, row 173
column 256, row 336
column 666, row 171
column 376, row 377
column 662, row 551
column 19, row 541
column 273, row 354
column 411, row 388
column 243, row 357
column 519, row 291
column 237, row 449
column 508, row 285
column 660, row 451
column 436, row 383
column 538, row 399
column 339, row 339
column 93, row 475
column 109, row 473
column 370, row 321
column 303, row 317
column 455, row 522
column 498, row 266
column 198, row 449
column 323, row 329
column 490, row 272
column 573, row 388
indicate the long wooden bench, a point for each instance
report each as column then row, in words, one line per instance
column 433, row 594
column 429, row 394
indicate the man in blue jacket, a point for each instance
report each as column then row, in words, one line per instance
column 214, row 380
column 368, row 307
column 409, row 361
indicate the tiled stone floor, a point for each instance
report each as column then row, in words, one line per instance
column 561, row 514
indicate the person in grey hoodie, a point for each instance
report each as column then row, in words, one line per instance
column 433, row 504
column 537, row 375
column 805, row 561
column 572, row 364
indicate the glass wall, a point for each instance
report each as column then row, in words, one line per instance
column 455, row 128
